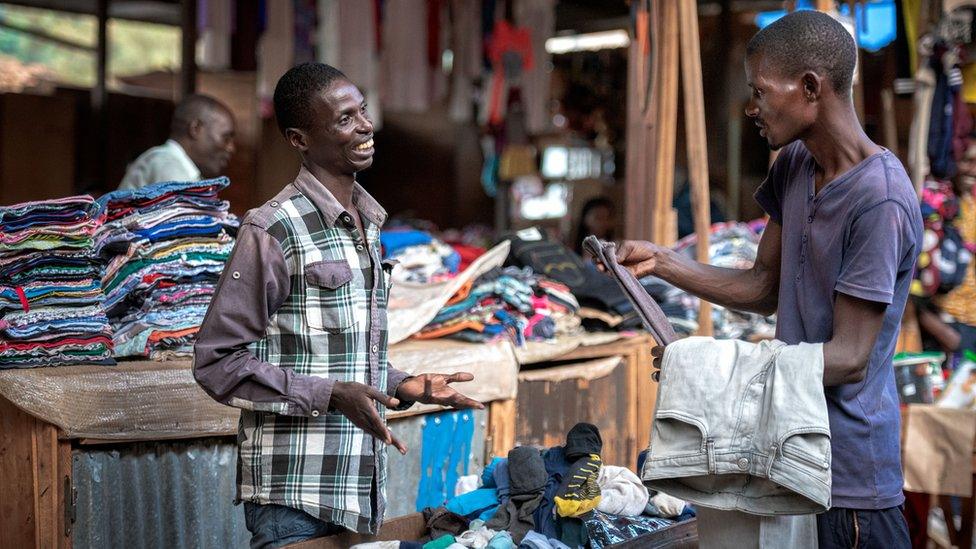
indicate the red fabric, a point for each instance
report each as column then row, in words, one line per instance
column 23, row 299
column 507, row 38
column 52, row 344
column 468, row 254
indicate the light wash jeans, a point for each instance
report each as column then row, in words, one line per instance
column 741, row 426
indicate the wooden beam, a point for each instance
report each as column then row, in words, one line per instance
column 665, row 123
column 188, row 61
column 694, row 103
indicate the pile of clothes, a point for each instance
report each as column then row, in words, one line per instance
column 165, row 246
column 422, row 258
column 560, row 498
column 732, row 245
column 945, row 257
column 509, row 302
column 50, row 292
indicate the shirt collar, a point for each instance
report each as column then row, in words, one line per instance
column 180, row 154
column 326, row 202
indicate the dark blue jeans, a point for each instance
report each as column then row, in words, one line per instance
column 841, row 528
column 273, row 525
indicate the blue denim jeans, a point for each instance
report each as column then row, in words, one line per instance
column 274, row 525
column 863, row 529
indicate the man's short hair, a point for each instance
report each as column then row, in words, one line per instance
column 194, row 107
column 294, row 92
column 809, row 41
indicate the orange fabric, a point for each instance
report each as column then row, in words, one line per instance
column 463, row 292
column 158, row 335
column 451, row 329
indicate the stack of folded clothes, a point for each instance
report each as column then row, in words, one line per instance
column 50, row 293
column 422, row 258
column 509, row 302
column 166, row 246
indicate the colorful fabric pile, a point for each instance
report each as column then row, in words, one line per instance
column 513, row 302
column 166, row 246
column 945, row 257
column 732, row 245
column 50, row 294
column 422, row 258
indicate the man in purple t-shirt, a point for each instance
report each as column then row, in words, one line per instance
column 835, row 261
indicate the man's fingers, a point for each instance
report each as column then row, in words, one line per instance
column 382, row 398
column 657, row 351
column 623, row 250
column 400, row 446
column 460, row 376
column 462, row 402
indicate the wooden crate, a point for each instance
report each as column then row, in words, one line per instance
column 618, row 400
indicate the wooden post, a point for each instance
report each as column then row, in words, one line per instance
column 694, row 103
column 824, row 5
column 501, row 427
column 637, row 206
column 666, row 122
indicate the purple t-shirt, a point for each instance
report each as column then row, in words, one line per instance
column 859, row 236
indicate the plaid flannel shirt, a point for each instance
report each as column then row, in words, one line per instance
column 301, row 265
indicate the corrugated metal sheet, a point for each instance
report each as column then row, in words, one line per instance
column 404, row 473
column 170, row 495
column 180, row 494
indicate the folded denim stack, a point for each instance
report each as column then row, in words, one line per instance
column 513, row 302
column 165, row 246
column 51, row 300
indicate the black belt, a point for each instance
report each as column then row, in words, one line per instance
column 650, row 313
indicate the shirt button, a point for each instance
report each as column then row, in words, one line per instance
column 274, row 203
column 315, row 413
column 376, row 349
column 810, row 219
column 743, row 463
column 347, row 219
column 359, row 247
column 235, row 275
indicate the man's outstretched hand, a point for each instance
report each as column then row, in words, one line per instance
column 436, row 389
column 357, row 402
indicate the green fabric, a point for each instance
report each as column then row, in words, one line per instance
column 440, row 543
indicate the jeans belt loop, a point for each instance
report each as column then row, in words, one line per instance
column 710, row 452
column 772, row 458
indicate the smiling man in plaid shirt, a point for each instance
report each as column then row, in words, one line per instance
column 296, row 335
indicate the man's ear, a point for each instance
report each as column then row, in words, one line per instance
column 812, row 86
column 297, row 138
column 195, row 129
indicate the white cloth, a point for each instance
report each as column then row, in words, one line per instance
column 167, row 162
column 378, row 545
column 476, row 539
column 622, row 493
column 466, row 484
column 668, row 506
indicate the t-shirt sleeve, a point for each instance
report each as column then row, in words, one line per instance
column 769, row 195
column 874, row 253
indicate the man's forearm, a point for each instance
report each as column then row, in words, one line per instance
column 749, row 290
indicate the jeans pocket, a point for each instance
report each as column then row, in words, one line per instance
column 290, row 522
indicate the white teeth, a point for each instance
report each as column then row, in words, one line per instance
column 364, row 146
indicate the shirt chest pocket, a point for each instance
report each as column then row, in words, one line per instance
column 331, row 300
